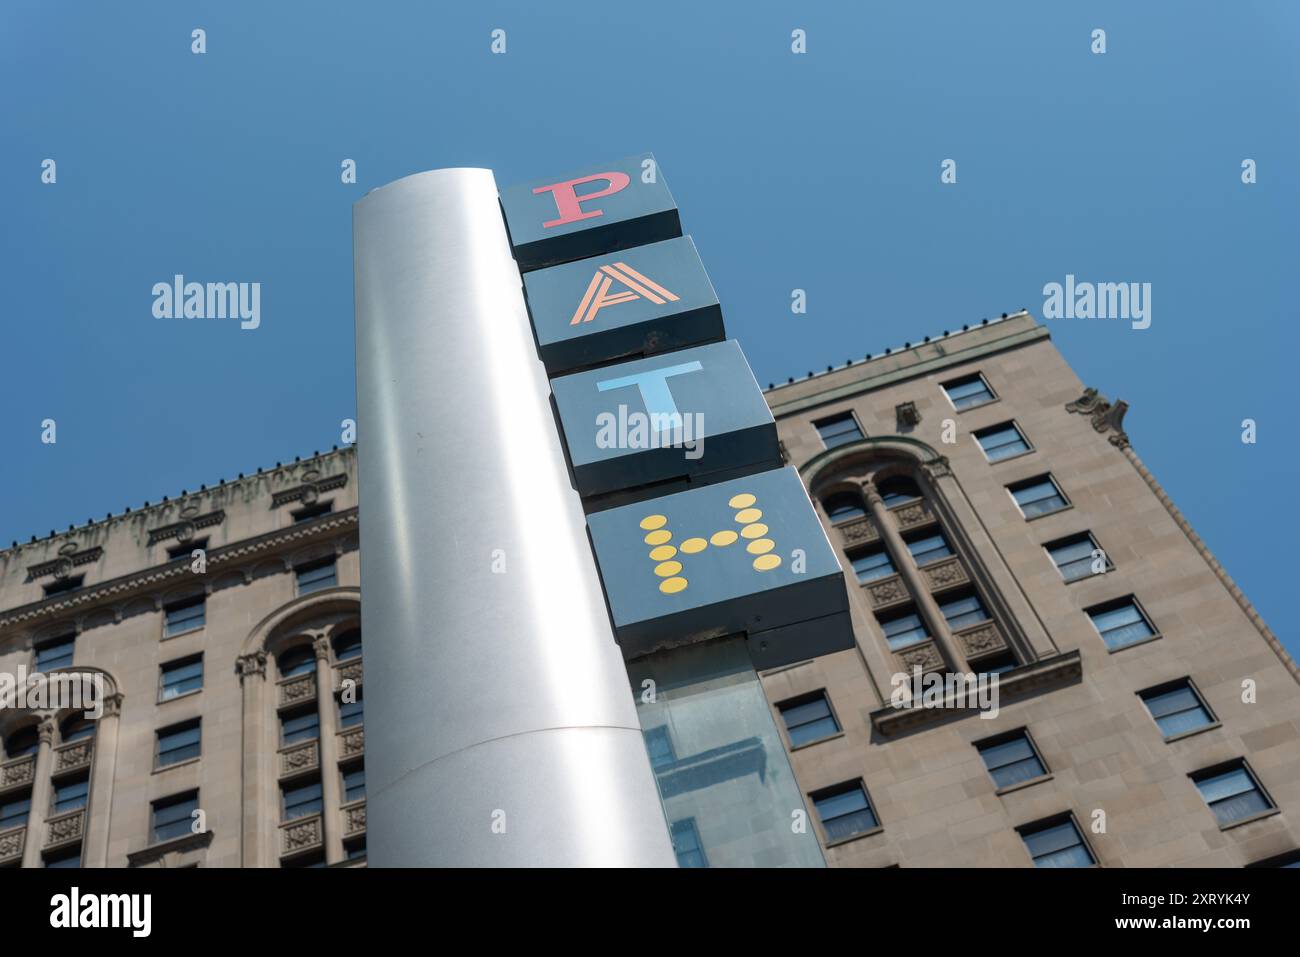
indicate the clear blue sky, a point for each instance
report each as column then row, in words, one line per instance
column 818, row 171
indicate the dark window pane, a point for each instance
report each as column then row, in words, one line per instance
column 1232, row 795
column 686, row 844
column 1038, row 497
column 70, row 795
column 23, row 742
column 315, row 576
column 299, row 661
column 172, row 817
column 1177, row 710
column 845, row 812
column 301, row 800
column 184, row 616
column 903, row 631
column 300, row 727
column 968, row 392
column 1012, row 761
column 659, row 744
column 1001, row 442
column 844, row 506
column 354, row 784
column 347, row 646
column 809, row 720
column 963, row 611
column 181, row 677
column 55, row 654
column 1121, row 625
column 178, row 744
column 897, row 490
column 14, row 811
column 352, row 713
column 870, row 565
column 929, row 548
column 1058, row 846
column 838, row 430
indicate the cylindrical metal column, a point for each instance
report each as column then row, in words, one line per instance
column 500, row 727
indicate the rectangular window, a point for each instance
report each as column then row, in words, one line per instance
column 928, row 547
column 1176, row 708
column 180, row 677
column 300, row 800
column 184, row 616
column 299, row 726
column 995, row 664
column 659, row 744
column 968, row 392
column 55, row 654
column 71, row 583
column 808, row 719
column 1056, row 843
column 69, row 857
column 185, row 550
column 1074, row 557
column 1232, row 793
column 1037, row 496
column 838, row 430
column 354, row 783
column 352, row 713
column 69, row 795
column 963, row 611
column 308, row 512
column 845, row 811
column 870, row 564
column 686, row 844
column 178, row 743
column 1120, row 623
column 1002, row 441
column 315, row 575
column 14, row 811
column 902, row 631
column 173, row 816
column 1011, row 759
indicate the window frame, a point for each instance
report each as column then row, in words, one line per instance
column 895, row 614
column 173, row 729
column 1013, row 487
column 1046, row 824
column 835, row 790
column 72, row 779
column 1067, row 540
column 169, row 801
column 316, row 564
column 863, row 551
column 1006, row 737
column 1223, row 769
column 844, row 493
column 1114, row 604
column 1020, row 434
column 301, row 784
column 182, row 604
column 851, row 416
column 66, row 638
column 180, row 663
column 798, row 701
column 933, row 531
column 977, row 374
column 291, row 713
column 1167, row 687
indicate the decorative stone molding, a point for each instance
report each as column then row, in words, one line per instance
column 908, row 416
column 1047, row 673
column 889, row 591
column 925, row 656
column 350, row 671
column 132, row 587
column 184, row 530
column 945, row 574
column 297, row 689
column 981, row 639
column 858, row 531
column 321, row 646
column 66, row 828
column 70, row 757
column 298, row 758
column 46, row 729
column 157, row 854
column 62, row 566
column 352, row 742
column 937, row 468
column 912, row 514
column 112, row 705
column 354, row 819
column 309, row 492
column 253, row 663
column 303, row 834
column 17, row 772
column 12, row 843
column 1106, row 416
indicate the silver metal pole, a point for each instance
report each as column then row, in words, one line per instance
column 500, row 725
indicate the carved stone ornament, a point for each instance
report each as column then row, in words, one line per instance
column 908, row 415
column 1106, row 416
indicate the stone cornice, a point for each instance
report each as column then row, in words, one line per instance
column 185, row 528
column 308, row 492
column 142, row 581
column 65, row 562
column 155, row 852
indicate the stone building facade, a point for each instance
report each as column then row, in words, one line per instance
column 991, row 516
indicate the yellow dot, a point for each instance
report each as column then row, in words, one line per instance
column 671, row 586
column 664, row 569
column 745, row 516
column 764, row 563
column 654, row 521
column 760, row 545
column 722, row 539
column 659, row 537
column 693, row 545
column 757, row 530
column 741, row 501
column 662, row 553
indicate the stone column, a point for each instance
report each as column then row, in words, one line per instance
column 99, row 809
column 926, row 606
column 255, row 849
column 40, row 794
column 330, row 786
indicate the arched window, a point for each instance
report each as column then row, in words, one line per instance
column 22, row 742
column 297, row 661
column 76, row 728
column 843, row 506
column 348, row 645
column 897, row 490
